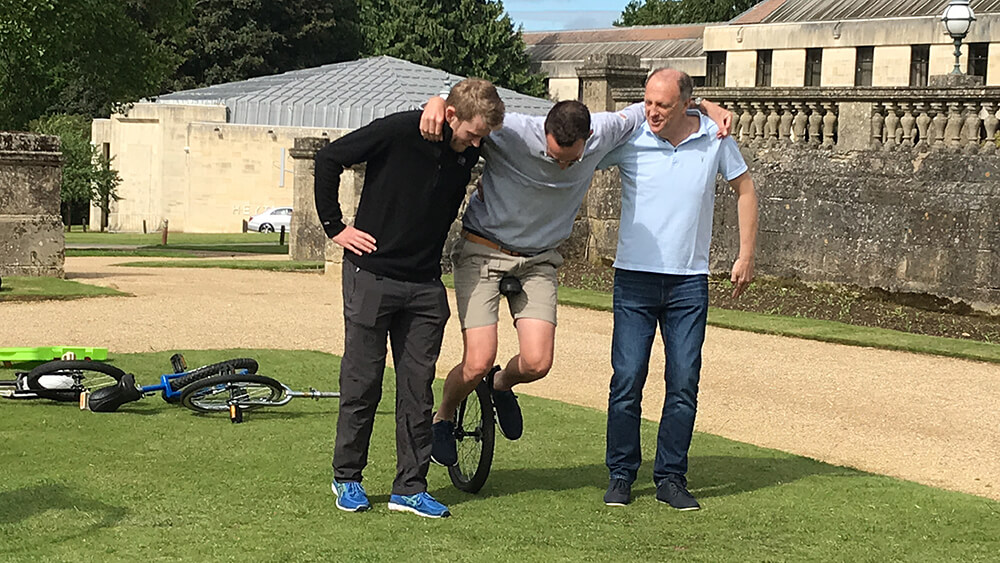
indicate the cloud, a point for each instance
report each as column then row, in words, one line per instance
column 548, row 20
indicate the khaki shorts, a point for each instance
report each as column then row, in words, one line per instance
column 478, row 270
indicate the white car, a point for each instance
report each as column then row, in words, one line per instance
column 271, row 220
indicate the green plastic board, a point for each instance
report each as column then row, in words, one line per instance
column 45, row 353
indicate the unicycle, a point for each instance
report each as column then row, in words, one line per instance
column 475, row 437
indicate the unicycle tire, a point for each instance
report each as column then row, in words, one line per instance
column 216, row 394
column 87, row 376
column 475, row 438
column 221, row 368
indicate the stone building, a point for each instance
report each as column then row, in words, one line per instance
column 787, row 43
column 207, row 159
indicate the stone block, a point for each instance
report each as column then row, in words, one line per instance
column 31, row 231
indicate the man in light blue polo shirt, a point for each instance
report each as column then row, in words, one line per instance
column 668, row 170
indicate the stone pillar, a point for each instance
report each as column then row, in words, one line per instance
column 307, row 241
column 31, row 230
column 601, row 73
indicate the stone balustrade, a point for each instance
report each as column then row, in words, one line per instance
column 889, row 119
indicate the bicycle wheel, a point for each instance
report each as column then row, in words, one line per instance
column 215, row 394
column 249, row 364
column 63, row 380
column 475, row 436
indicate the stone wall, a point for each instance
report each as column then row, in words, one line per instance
column 920, row 224
column 31, row 231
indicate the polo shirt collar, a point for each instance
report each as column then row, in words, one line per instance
column 703, row 123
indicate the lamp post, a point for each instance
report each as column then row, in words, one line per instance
column 958, row 18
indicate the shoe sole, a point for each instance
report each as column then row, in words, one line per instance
column 606, row 503
column 685, row 509
column 404, row 508
column 436, row 462
column 333, row 487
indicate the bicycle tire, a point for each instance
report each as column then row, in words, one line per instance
column 475, row 437
column 213, row 394
column 198, row 374
column 87, row 375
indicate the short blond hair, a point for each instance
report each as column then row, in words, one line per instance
column 476, row 97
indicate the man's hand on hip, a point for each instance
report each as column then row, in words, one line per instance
column 358, row 242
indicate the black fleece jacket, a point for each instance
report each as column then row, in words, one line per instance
column 413, row 189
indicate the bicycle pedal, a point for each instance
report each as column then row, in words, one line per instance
column 235, row 413
column 84, row 395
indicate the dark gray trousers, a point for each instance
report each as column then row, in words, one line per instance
column 413, row 316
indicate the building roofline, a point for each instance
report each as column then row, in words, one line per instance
column 615, row 35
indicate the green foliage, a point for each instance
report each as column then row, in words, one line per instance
column 662, row 12
column 78, row 168
column 81, row 56
column 86, row 175
column 231, row 40
column 465, row 37
column 105, row 186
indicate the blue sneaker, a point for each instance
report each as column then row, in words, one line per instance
column 351, row 496
column 421, row 504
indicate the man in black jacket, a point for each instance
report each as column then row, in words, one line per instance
column 392, row 279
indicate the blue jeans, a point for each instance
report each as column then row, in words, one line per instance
column 679, row 304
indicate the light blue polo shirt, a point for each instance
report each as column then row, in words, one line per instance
column 668, row 196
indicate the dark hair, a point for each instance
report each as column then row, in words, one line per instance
column 568, row 122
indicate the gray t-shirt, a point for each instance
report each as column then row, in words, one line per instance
column 529, row 203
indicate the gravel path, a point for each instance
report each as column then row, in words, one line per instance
column 922, row 418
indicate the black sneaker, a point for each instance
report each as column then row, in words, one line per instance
column 673, row 491
column 508, row 411
column 443, row 449
column 619, row 493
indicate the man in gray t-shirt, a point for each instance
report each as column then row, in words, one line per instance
column 537, row 172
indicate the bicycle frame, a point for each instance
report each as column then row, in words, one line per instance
column 164, row 385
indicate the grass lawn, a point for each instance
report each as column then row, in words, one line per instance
column 151, row 252
column 24, row 288
column 273, row 265
column 153, row 239
column 155, row 482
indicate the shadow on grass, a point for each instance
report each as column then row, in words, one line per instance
column 709, row 476
column 87, row 515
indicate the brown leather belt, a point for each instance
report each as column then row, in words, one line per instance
column 473, row 237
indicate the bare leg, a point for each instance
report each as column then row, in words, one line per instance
column 536, row 342
column 479, row 353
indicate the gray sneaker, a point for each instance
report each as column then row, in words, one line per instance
column 619, row 493
column 673, row 491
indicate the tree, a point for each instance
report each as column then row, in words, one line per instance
column 81, row 56
column 464, row 37
column 231, row 40
column 87, row 176
column 663, row 12
column 77, row 169
column 105, row 187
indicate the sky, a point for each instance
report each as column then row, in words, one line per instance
column 554, row 15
